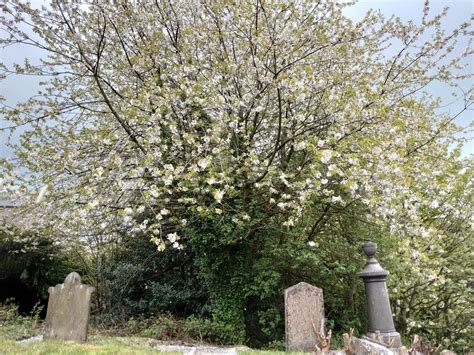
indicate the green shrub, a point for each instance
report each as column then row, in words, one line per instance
column 15, row 326
column 135, row 280
column 211, row 331
column 163, row 327
column 30, row 261
column 168, row 327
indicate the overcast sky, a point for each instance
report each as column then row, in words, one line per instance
column 18, row 88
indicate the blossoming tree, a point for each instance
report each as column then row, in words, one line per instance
column 277, row 119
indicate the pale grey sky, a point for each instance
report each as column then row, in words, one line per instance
column 459, row 12
column 19, row 88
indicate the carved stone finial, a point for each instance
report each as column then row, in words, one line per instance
column 369, row 248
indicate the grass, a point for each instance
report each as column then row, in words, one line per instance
column 14, row 327
column 95, row 345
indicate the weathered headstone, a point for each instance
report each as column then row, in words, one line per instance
column 304, row 317
column 67, row 317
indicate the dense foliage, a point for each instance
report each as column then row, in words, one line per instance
column 264, row 140
column 137, row 279
column 30, row 262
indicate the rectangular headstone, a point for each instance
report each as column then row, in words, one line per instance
column 304, row 316
column 69, row 304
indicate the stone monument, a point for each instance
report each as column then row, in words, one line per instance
column 304, row 317
column 69, row 304
column 381, row 326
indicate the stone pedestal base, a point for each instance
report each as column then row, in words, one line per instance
column 388, row 339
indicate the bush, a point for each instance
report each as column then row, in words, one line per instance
column 162, row 327
column 168, row 327
column 135, row 280
column 210, row 331
column 30, row 262
column 15, row 326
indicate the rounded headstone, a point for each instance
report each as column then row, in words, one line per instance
column 73, row 278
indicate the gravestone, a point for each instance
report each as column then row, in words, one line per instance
column 304, row 317
column 380, row 319
column 69, row 304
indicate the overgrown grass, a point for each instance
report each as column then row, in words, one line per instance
column 166, row 327
column 95, row 345
column 13, row 326
column 137, row 336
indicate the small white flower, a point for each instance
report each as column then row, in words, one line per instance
column 93, row 204
column 434, row 204
column 393, row 156
column 218, row 195
column 300, row 145
column 324, row 181
column 154, row 193
column 353, row 186
column 99, row 171
column 311, row 243
column 172, row 237
column 326, row 156
column 284, row 180
column 168, row 179
column 161, row 245
column 332, row 168
column 211, row 181
column 203, row 163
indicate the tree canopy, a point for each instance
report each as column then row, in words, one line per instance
column 274, row 134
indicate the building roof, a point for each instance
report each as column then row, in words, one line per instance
column 6, row 203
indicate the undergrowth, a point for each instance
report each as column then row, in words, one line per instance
column 16, row 326
column 167, row 327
